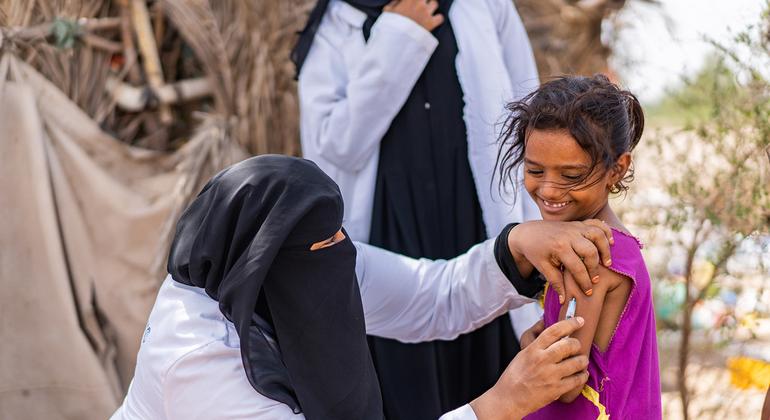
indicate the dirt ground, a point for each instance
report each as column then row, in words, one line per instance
column 713, row 395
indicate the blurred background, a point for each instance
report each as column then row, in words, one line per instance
column 113, row 114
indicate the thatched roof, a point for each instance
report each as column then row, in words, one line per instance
column 149, row 71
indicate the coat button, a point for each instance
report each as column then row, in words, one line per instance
column 427, row 105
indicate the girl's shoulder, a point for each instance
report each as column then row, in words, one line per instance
column 626, row 239
column 626, row 254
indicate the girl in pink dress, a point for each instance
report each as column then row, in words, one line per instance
column 574, row 136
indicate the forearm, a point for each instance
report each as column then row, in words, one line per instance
column 517, row 51
column 515, row 245
column 419, row 300
column 519, row 271
column 491, row 406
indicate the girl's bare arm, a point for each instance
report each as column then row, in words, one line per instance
column 601, row 311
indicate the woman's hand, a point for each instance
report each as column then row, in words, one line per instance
column 578, row 247
column 531, row 334
column 538, row 375
column 421, row 11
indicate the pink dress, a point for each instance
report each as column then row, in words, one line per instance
column 624, row 380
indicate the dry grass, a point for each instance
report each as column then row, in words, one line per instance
column 242, row 47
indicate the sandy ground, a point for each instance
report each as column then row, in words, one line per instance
column 713, row 395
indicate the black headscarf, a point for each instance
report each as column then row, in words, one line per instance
column 248, row 235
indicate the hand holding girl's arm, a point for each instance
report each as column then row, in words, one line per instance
column 546, row 246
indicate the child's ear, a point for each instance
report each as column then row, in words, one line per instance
column 621, row 167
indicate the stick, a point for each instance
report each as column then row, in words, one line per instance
column 159, row 23
column 149, row 51
column 41, row 31
column 101, row 43
column 134, row 99
column 129, row 51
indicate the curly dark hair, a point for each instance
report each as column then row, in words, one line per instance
column 604, row 119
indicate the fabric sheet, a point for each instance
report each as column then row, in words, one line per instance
column 83, row 243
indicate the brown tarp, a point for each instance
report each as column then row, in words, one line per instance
column 84, row 223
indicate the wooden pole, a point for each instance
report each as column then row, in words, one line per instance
column 129, row 51
column 132, row 98
column 149, row 51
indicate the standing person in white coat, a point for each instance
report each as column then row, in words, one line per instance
column 265, row 309
column 399, row 103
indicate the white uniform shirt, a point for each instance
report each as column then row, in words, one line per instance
column 351, row 90
column 189, row 363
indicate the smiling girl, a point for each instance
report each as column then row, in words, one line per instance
column 574, row 136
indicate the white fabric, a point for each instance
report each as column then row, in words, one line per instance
column 85, row 224
column 422, row 300
column 525, row 316
column 351, row 90
column 189, row 363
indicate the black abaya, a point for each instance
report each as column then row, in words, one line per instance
column 426, row 205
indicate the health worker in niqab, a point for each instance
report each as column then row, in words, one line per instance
column 267, row 305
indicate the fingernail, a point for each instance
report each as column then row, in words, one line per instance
column 608, row 263
column 595, row 279
column 589, row 292
column 580, row 320
column 561, row 298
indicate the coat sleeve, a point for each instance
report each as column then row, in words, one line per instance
column 348, row 102
column 413, row 300
column 517, row 50
column 463, row 413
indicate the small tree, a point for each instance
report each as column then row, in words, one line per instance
column 718, row 181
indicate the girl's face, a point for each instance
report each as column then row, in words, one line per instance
column 553, row 161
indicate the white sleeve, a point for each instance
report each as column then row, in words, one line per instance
column 414, row 300
column 463, row 413
column 209, row 383
column 517, row 51
column 346, row 107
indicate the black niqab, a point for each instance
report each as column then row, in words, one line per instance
column 248, row 235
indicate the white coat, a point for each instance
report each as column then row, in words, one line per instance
column 189, row 363
column 350, row 91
